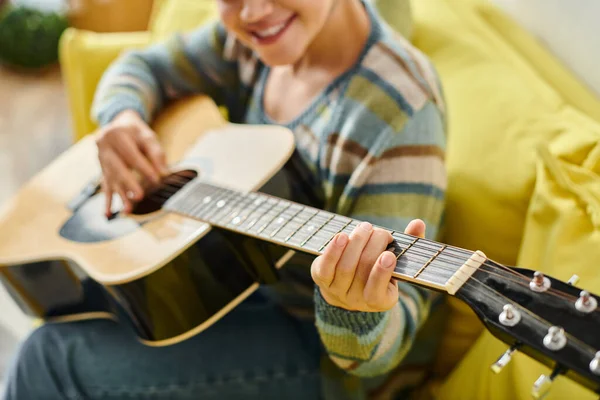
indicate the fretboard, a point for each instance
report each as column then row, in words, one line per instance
column 308, row 229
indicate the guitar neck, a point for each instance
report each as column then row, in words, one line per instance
column 307, row 229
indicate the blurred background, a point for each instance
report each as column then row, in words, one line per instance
column 42, row 105
column 35, row 120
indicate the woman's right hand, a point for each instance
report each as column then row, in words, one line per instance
column 128, row 146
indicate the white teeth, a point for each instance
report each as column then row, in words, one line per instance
column 272, row 31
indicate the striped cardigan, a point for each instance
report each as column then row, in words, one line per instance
column 373, row 143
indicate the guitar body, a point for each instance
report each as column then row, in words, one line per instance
column 165, row 275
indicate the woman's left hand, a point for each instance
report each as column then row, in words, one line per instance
column 355, row 272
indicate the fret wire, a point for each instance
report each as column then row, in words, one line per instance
column 349, row 228
column 254, row 200
column 248, row 200
column 263, row 208
column 338, row 223
column 299, row 228
column 343, row 227
column 262, row 228
column 287, row 222
column 434, row 271
column 264, row 214
column 237, row 202
column 180, row 201
column 429, row 261
column 207, row 189
column 317, row 230
column 219, row 210
column 321, row 217
column 424, row 242
column 324, row 234
column 201, row 190
column 198, row 208
column 448, row 255
column 406, row 249
column 209, row 213
column 437, row 270
column 278, row 220
column 188, row 206
column 264, row 220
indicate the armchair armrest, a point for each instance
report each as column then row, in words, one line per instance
column 84, row 56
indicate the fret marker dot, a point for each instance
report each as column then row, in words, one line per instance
column 280, row 220
column 258, row 202
column 220, row 203
column 236, row 220
column 310, row 228
column 206, row 200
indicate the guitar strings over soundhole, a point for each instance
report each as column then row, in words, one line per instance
column 156, row 196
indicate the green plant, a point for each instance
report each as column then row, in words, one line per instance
column 29, row 37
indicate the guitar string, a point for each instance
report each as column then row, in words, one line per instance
column 492, row 266
column 521, row 279
column 436, row 265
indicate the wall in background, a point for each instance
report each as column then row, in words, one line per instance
column 569, row 29
column 48, row 5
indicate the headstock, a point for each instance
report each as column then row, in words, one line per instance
column 552, row 321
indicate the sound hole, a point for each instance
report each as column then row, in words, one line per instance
column 157, row 196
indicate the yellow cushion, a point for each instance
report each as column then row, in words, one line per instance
column 84, row 56
column 493, row 102
column 546, row 65
column 180, row 16
column 497, row 104
column 561, row 238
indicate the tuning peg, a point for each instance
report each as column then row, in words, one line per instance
column 586, row 303
column 541, row 386
column 595, row 364
column 573, row 280
column 539, row 283
column 504, row 359
column 555, row 339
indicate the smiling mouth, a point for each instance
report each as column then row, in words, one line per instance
column 273, row 33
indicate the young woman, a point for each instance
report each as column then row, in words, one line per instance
column 368, row 116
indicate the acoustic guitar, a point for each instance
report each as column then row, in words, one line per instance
column 205, row 238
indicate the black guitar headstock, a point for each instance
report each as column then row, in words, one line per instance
column 552, row 321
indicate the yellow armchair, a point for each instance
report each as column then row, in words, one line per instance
column 85, row 55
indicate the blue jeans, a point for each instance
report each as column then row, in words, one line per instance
column 257, row 351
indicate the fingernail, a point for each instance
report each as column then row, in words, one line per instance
column 366, row 226
column 341, row 240
column 130, row 194
column 388, row 260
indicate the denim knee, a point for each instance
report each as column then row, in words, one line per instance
column 32, row 372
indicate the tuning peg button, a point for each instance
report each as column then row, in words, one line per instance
column 573, row 280
column 586, row 303
column 539, row 283
column 541, row 387
column 509, row 316
column 595, row 364
column 555, row 339
column 504, row 359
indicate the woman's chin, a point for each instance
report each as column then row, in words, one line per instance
column 279, row 57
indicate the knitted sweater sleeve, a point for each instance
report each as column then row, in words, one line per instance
column 145, row 79
column 400, row 177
